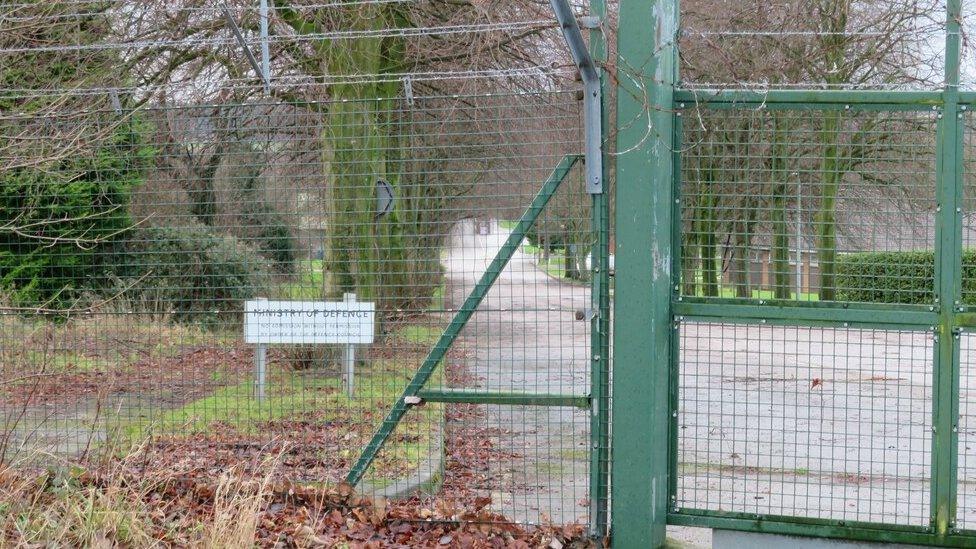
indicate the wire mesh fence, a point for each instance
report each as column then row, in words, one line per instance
column 244, row 230
column 217, row 258
column 829, row 423
column 805, row 205
column 820, row 362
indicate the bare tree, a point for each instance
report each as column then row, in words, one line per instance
column 821, row 44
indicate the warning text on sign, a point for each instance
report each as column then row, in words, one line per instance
column 299, row 322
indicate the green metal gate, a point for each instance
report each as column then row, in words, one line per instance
column 793, row 302
column 588, row 56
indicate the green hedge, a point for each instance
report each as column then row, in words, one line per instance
column 896, row 277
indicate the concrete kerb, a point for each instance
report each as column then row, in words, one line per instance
column 427, row 480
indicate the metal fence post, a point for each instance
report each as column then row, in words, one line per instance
column 600, row 298
column 349, row 358
column 265, row 49
column 642, row 294
column 945, row 422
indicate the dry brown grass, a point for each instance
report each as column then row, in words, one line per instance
column 73, row 507
column 59, row 509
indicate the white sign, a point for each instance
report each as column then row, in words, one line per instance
column 308, row 322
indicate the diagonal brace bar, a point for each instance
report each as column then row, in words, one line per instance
column 262, row 73
column 462, row 317
column 592, row 93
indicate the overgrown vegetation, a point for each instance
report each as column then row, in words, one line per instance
column 191, row 274
column 132, row 503
column 59, row 223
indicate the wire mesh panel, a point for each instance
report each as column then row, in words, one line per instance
column 967, row 350
column 969, row 211
column 219, row 260
column 830, row 423
column 811, row 205
column 966, row 517
column 810, row 44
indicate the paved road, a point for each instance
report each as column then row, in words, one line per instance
column 525, row 337
column 817, row 422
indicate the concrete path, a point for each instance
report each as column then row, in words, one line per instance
column 815, row 422
column 525, row 337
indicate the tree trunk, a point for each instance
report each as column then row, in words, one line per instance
column 827, row 214
column 362, row 252
column 571, row 267
column 781, row 239
column 709, row 240
column 742, row 244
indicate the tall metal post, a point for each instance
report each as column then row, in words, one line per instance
column 642, row 331
column 265, row 49
column 600, row 297
column 349, row 358
column 945, row 424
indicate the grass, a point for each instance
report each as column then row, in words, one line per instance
column 94, row 346
column 729, row 293
column 554, row 266
column 302, row 396
column 437, row 300
column 310, row 396
column 420, row 334
column 66, row 508
column 309, row 284
column 575, row 454
column 67, row 362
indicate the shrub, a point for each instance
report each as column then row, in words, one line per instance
column 57, row 221
column 896, row 277
column 192, row 273
column 271, row 236
column 259, row 222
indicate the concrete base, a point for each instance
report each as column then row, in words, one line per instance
column 730, row 539
column 426, row 481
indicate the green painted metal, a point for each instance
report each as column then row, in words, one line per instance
column 800, row 526
column 642, row 343
column 677, row 142
column 646, row 72
column 945, row 438
column 600, row 304
column 965, row 320
column 473, row 396
column 801, row 98
column 460, row 319
column 803, row 315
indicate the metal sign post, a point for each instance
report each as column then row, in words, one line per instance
column 349, row 358
column 349, row 322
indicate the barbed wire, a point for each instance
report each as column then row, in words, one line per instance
column 310, row 37
column 185, row 9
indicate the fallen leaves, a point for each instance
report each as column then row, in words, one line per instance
column 306, row 516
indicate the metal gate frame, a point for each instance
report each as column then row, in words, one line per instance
column 644, row 471
column 589, row 61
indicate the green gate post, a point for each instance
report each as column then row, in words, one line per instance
column 600, row 300
column 646, row 66
column 945, row 424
